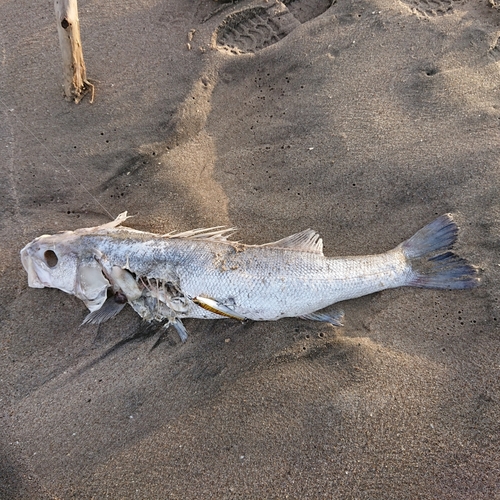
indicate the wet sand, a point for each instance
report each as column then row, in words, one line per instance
column 363, row 120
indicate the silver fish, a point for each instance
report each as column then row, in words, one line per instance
column 202, row 274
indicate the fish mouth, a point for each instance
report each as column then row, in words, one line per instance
column 34, row 280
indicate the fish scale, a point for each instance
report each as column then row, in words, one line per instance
column 201, row 274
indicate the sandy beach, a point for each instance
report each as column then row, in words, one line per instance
column 363, row 120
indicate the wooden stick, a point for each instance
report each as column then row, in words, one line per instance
column 75, row 83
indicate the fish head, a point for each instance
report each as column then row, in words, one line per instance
column 56, row 261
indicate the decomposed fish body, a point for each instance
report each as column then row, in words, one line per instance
column 201, row 274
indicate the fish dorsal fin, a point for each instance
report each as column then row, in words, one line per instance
column 305, row 241
column 217, row 233
column 114, row 223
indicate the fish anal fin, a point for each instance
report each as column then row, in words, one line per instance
column 334, row 317
column 217, row 308
column 305, row 241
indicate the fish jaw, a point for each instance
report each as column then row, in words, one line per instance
column 37, row 278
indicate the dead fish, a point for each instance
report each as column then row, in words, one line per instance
column 202, row 274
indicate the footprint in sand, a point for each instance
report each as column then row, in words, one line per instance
column 431, row 8
column 253, row 29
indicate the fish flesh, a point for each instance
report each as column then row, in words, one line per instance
column 203, row 274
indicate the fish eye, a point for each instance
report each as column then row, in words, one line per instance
column 50, row 258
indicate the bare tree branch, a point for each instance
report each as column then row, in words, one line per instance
column 75, row 83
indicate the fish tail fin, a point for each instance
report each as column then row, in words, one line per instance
column 433, row 264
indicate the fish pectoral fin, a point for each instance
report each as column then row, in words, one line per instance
column 108, row 310
column 216, row 307
column 334, row 318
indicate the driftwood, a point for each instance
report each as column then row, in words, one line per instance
column 75, row 83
